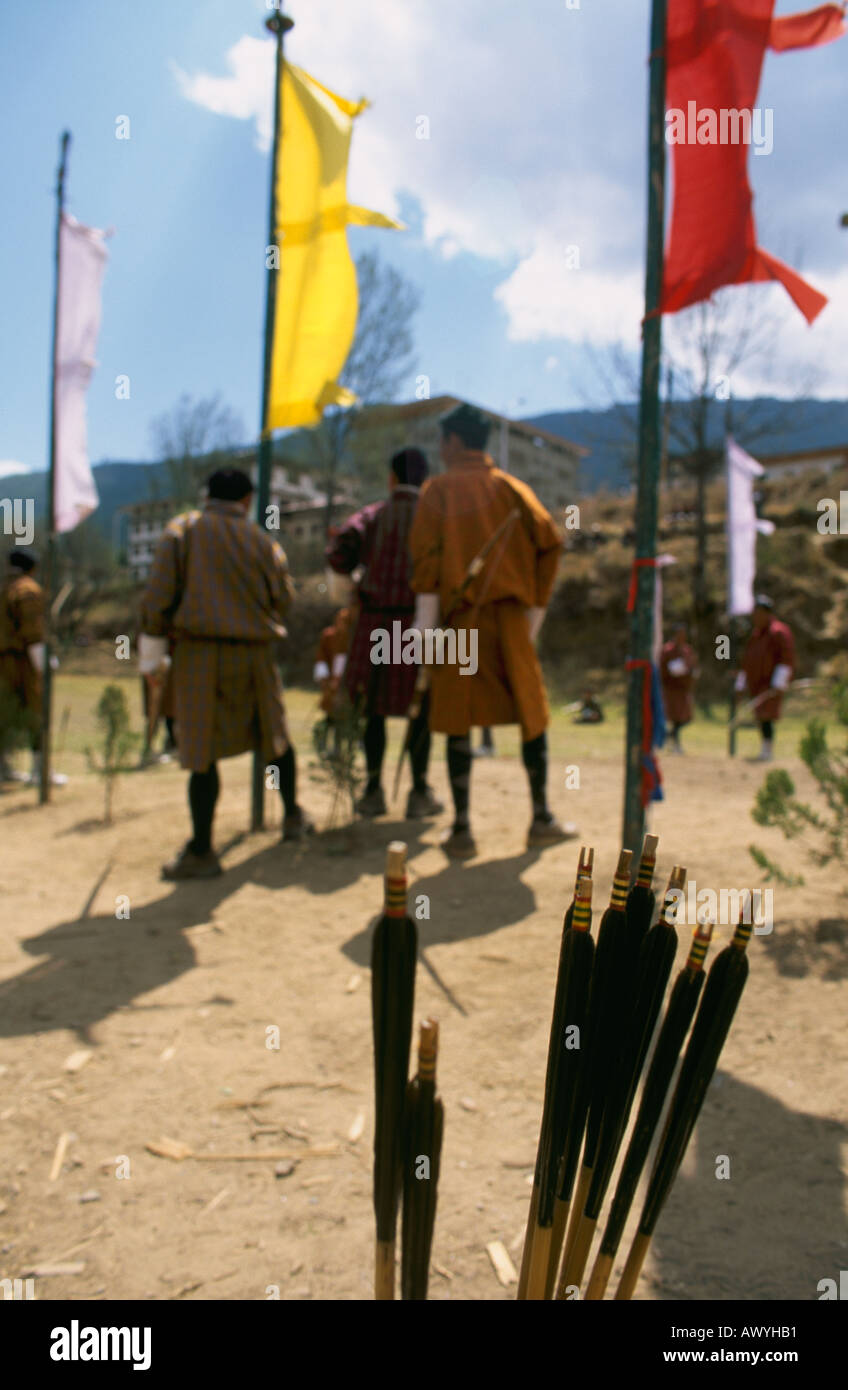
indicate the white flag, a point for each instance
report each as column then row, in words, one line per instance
column 82, row 261
column 742, row 528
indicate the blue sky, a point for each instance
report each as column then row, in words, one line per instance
column 537, row 115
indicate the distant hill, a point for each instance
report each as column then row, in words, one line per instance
column 121, row 483
column 611, row 434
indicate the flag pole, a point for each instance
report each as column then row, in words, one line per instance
column 49, row 557
column 642, row 621
column 279, row 25
column 732, row 622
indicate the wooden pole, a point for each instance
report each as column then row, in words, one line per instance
column 50, row 547
column 642, row 622
column 278, row 24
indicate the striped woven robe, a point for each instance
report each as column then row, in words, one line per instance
column 220, row 585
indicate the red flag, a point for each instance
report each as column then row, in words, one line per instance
column 714, row 58
column 807, row 29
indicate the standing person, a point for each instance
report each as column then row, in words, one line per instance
column 768, row 663
column 376, row 541
column 459, row 511
column 221, row 585
column 21, row 659
column 678, row 673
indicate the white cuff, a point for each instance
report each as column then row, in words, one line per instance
column 152, row 652
column 741, row 681
column 781, row 676
column 36, row 656
column 535, row 618
column 339, row 663
column 426, row 612
column 677, row 667
column 321, row 671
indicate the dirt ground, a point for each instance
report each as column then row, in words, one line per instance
column 175, row 1001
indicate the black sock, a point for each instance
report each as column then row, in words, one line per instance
column 535, row 756
column 459, row 772
column 374, row 743
column 203, row 788
column 419, row 747
column 288, row 779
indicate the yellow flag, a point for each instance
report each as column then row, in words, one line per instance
column 316, row 304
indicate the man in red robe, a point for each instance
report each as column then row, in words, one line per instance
column 767, row 666
column 678, row 673
column 375, row 544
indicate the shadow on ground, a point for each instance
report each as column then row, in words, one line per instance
column 774, row 1228
column 98, row 963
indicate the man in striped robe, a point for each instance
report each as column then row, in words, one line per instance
column 220, row 585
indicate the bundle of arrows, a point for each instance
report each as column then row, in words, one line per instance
column 408, row 1115
column 607, row 1003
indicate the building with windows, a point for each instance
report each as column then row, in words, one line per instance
column 545, row 461
column 301, row 511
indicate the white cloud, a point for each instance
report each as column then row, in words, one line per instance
column 544, row 298
column 11, row 467
column 535, row 129
column 491, row 171
column 551, row 363
column 246, row 93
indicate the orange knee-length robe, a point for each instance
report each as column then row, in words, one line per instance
column 458, row 512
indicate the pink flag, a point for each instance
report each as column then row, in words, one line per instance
column 82, row 261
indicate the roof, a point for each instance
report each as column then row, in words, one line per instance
column 441, row 405
column 798, row 455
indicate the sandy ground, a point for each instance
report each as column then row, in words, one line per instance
column 175, row 1004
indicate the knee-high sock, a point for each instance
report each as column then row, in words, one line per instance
column 374, row 742
column 459, row 772
column 535, row 756
column 287, row 767
column 203, row 788
column 419, row 746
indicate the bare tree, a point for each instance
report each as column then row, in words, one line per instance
column 195, row 433
column 705, row 348
column 381, row 360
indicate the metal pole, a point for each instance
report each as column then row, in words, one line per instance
column 50, row 548
column 278, row 24
column 733, row 623
column 642, row 623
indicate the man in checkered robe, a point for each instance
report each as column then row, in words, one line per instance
column 220, row 585
column 375, row 543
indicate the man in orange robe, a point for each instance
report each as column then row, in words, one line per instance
column 458, row 512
